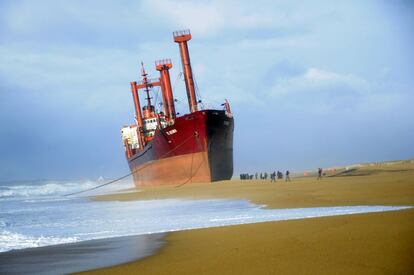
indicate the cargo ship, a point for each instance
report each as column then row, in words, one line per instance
column 163, row 148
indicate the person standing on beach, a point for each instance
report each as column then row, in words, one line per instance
column 273, row 177
column 287, row 178
column 319, row 173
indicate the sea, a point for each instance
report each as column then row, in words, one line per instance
column 38, row 214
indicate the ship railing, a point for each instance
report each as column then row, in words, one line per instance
column 210, row 104
column 163, row 62
column 181, row 33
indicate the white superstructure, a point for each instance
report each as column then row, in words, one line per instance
column 130, row 134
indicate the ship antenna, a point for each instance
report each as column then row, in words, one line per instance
column 145, row 79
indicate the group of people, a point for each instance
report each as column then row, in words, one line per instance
column 263, row 176
column 275, row 175
column 279, row 175
column 246, row 177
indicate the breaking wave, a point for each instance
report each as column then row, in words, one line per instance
column 69, row 221
column 50, row 189
column 45, row 189
column 9, row 241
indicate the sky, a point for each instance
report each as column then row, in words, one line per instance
column 311, row 83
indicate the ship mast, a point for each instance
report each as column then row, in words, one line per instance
column 167, row 96
column 181, row 37
column 145, row 82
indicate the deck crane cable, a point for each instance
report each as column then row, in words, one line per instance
column 179, row 77
column 198, row 93
column 197, row 89
column 156, row 92
column 141, row 168
column 176, row 80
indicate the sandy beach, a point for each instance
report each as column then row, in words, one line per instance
column 355, row 244
column 368, row 185
column 376, row 243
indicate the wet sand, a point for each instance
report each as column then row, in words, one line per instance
column 377, row 243
column 75, row 257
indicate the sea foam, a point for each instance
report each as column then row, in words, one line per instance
column 34, row 190
column 9, row 241
column 44, row 221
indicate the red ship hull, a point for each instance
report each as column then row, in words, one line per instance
column 197, row 148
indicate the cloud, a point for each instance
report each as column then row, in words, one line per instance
column 283, row 69
column 321, row 77
column 314, row 79
column 202, row 18
column 86, row 76
column 97, row 23
column 326, row 92
column 275, row 43
column 212, row 18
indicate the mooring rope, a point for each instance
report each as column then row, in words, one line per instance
column 141, row 168
column 191, row 167
column 99, row 186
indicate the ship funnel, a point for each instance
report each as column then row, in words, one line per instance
column 181, row 37
column 167, row 96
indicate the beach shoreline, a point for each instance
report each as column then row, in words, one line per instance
column 341, row 245
column 80, row 256
column 363, row 243
column 261, row 247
